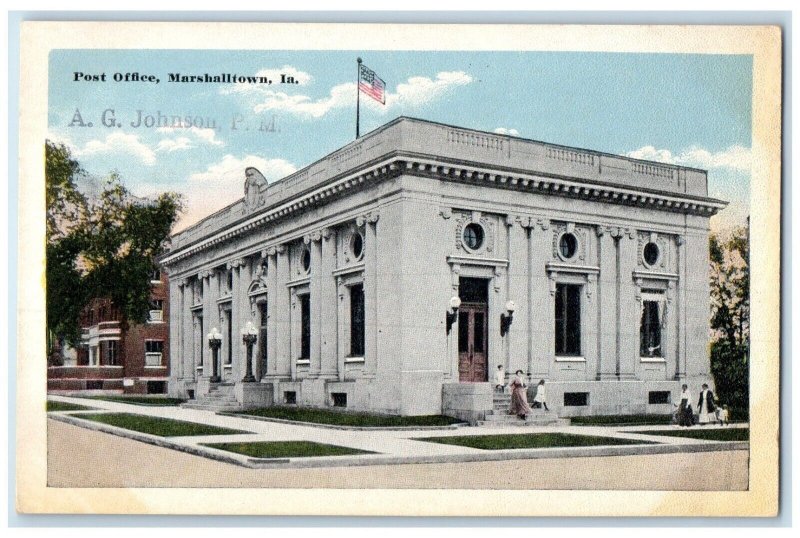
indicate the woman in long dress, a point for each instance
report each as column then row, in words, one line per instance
column 705, row 406
column 685, row 414
column 519, row 398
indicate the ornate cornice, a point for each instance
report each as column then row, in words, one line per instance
column 401, row 164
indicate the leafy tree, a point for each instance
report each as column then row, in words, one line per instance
column 730, row 316
column 100, row 246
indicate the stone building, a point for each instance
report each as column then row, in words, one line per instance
column 116, row 357
column 396, row 273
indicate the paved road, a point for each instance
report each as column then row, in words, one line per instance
column 78, row 457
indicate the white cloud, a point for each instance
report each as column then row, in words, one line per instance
column 118, row 143
column 728, row 177
column 504, row 131
column 736, row 158
column 222, row 183
column 169, row 145
column 416, row 91
column 202, row 134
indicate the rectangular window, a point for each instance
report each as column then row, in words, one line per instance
column 201, row 337
column 156, row 387
column 229, row 324
column 357, row 320
column 155, row 276
column 111, row 352
column 339, row 399
column 463, row 332
column 568, row 320
column 290, row 397
column 650, row 328
column 658, row 397
column 576, row 399
column 156, row 310
column 262, row 335
column 305, row 326
column 153, row 352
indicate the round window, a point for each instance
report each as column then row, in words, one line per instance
column 306, row 260
column 357, row 245
column 650, row 253
column 568, row 246
column 473, row 236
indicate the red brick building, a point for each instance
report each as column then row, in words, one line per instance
column 115, row 358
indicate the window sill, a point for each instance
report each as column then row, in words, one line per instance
column 348, row 360
column 303, row 362
column 570, row 359
column 227, row 366
column 154, row 367
column 652, row 359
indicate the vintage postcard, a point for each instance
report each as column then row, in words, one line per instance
column 314, row 269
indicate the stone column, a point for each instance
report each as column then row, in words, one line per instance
column 607, row 302
column 680, row 313
column 210, row 318
column 328, row 306
column 542, row 319
column 370, row 294
column 628, row 308
column 237, row 364
column 272, row 312
column 283, row 309
column 314, row 241
column 517, row 284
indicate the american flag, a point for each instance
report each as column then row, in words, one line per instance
column 371, row 84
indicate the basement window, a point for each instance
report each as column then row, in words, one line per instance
column 658, row 397
column 576, row 399
column 339, row 399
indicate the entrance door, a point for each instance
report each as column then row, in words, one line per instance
column 472, row 360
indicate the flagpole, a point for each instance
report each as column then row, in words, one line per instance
column 358, row 96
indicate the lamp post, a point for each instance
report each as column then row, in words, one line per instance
column 214, row 342
column 452, row 312
column 507, row 318
column 249, row 335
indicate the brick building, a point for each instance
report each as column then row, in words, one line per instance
column 112, row 357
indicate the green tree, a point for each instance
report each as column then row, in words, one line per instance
column 100, row 246
column 730, row 317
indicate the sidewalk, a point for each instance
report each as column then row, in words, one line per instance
column 390, row 446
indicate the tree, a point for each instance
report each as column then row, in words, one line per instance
column 100, row 246
column 730, row 316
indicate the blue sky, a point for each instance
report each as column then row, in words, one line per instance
column 685, row 109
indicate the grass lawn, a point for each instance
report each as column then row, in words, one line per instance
column 322, row 416
column 286, row 449
column 160, row 401
column 163, row 427
column 715, row 434
column 620, row 420
column 61, row 406
column 529, row 440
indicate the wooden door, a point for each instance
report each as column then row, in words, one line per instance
column 472, row 335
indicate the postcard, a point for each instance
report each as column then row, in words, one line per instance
column 371, row 269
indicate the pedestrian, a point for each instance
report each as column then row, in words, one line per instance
column 685, row 414
column 519, row 399
column 706, row 407
column 723, row 416
column 500, row 379
column 540, row 400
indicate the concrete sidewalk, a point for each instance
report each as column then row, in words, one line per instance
column 389, row 446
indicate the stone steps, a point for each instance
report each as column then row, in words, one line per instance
column 219, row 398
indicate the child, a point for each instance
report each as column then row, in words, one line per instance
column 500, row 379
column 722, row 415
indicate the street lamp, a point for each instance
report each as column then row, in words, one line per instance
column 249, row 335
column 214, row 342
column 452, row 313
column 507, row 318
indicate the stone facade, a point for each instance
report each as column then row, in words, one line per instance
column 350, row 267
